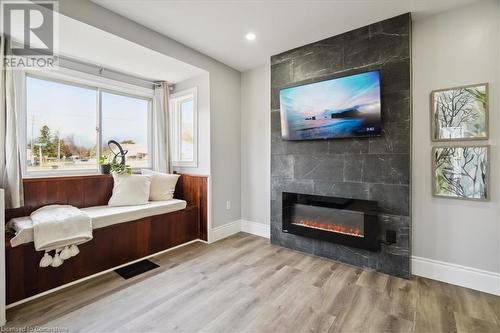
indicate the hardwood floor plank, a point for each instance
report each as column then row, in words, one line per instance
column 467, row 324
column 373, row 280
column 435, row 308
column 355, row 316
column 472, row 303
column 317, row 322
column 238, row 316
column 245, row 284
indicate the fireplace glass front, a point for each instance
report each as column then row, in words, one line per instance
column 345, row 221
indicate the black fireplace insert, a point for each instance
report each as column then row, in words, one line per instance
column 350, row 222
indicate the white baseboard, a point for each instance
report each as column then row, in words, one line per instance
column 256, row 228
column 473, row 278
column 224, row 231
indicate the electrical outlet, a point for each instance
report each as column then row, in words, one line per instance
column 390, row 236
column 228, row 205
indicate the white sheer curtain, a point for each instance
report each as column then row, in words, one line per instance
column 10, row 161
column 161, row 138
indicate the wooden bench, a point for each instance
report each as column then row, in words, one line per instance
column 111, row 246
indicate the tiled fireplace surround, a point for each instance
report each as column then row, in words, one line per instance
column 376, row 168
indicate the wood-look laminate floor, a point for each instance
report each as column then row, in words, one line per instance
column 244, row 284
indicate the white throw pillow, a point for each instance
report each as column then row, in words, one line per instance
column 162, row 185
column 129, row 190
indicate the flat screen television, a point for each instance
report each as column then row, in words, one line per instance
column 338, row 108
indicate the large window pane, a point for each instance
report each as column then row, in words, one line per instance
column 61, row 126
column 187, row 130
column 125, row 120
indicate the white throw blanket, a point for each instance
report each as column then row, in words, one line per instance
column 60, row 228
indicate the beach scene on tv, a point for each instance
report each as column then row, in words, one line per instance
column 338, row 108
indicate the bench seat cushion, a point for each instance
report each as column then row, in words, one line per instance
column 102, row 216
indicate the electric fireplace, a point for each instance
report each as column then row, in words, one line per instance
column 350, row 222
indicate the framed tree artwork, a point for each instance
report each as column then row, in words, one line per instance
column 460, row 113
column 461, row 172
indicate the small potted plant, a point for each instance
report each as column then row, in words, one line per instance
column 105, row 165
column 119, row 168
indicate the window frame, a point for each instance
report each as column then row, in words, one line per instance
column 99, row 85
column 175, row 125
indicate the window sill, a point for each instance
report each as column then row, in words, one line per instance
column 75, row 176
column 185, row 165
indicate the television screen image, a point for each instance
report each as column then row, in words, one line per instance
column 339, row 108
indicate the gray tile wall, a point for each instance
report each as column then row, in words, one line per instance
column 375, row 168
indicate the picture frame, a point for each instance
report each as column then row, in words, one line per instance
column 460, row 113
column 461, row 172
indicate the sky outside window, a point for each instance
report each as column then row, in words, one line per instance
column 61, row 126
column 187, row 126
column 125, row 120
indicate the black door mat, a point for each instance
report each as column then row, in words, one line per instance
column 135, row 269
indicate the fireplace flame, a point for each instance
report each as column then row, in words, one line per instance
column 352, row 231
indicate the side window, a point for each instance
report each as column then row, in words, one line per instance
column 184, row 128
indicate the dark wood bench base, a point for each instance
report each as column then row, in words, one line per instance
column 111, row 246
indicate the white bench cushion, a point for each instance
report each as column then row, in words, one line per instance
column 102, row 216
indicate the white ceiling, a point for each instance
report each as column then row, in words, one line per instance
column 217, row 28
column 101, row 48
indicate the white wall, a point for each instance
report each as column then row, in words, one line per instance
column 255, row 145
column 455, row 48
column 224, row 100
column 225, row 131
column 202, row 83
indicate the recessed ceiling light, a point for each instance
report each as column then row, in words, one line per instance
column 250, row 36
